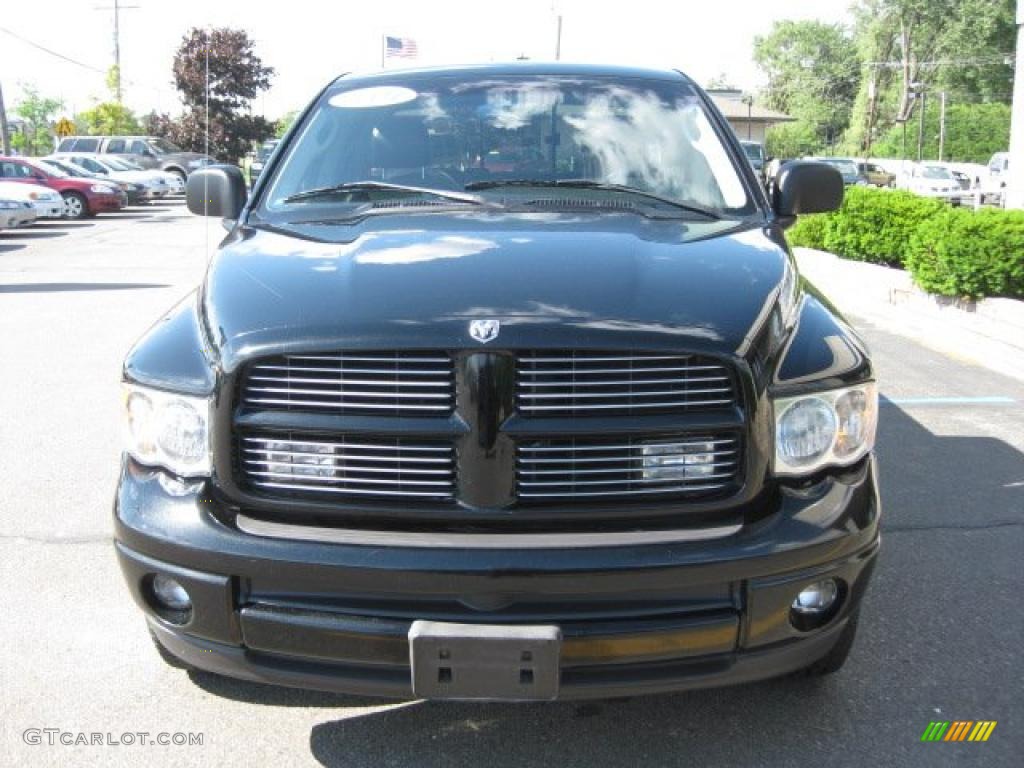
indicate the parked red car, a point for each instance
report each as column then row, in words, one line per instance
column 82, row 197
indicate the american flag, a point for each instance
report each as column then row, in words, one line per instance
column 400, row 48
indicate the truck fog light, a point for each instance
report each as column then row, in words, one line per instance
column 170, row 594
column 679, row 461
column 817, row 598
column 311, row 461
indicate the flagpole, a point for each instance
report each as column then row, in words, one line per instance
column 383, row 49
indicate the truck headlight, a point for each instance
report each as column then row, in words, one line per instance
column 168, row 430
column 833, row 428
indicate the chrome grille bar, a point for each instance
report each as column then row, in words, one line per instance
column 363, row 467
column 384, row 383
column 589, row 468
column 570, row 383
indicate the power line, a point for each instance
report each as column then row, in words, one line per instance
column 44, row 49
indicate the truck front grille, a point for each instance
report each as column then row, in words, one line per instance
column 687, row 465
column 573, row 383
column 370, row 383
column 360, row 466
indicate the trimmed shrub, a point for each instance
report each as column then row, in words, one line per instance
column 963, row 253
column 876, row 224
column 809, row 231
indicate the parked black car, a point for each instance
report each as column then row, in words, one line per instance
column 564, row 423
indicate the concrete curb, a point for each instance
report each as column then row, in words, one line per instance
column 988, row 332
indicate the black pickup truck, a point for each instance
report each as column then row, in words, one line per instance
column 502, row 385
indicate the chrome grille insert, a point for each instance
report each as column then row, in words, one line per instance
column 382, row 383
column 360, row 466
column 659, row 467
column 572, row 383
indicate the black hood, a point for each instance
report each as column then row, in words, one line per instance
column 551, row 280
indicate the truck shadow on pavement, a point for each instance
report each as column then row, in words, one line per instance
column 941, row 617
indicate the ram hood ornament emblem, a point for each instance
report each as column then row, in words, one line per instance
column 484, row 330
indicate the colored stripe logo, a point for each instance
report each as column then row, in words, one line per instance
column 959, row 730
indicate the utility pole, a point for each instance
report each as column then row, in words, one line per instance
column 117, row 8
column 1013, row 196
column 942, row 124
column 920, row 127
column 4, row 135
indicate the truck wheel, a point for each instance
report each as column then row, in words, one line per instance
column 75, row 205
column 169, row 658
column 833, row 661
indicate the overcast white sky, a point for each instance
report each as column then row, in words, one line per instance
column 309, row 43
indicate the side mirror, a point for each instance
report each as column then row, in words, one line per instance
column 216, row 190
column 806, row 187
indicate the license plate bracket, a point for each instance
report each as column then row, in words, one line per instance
column 484, row 661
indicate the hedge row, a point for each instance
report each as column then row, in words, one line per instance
column 949, row 251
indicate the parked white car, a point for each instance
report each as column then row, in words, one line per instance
column 173, row 180
column 932, row 180
column 155, row 186
column 47, row 203
column 993, row 184
column 15, row 213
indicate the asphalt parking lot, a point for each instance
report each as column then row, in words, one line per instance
column 940, row 639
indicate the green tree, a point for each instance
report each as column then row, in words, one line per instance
column 974, row 132
column 108, row 118
column 813, row 73
column 284, row 123
column 38, row 113
column 790, row 140
column 721, row 82
column 961, row 47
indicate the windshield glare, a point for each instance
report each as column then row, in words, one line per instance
column 652, row 135
column 163, row 146
column 119, row 164
column 845, row 167
column 50, row 169
column 934, row 172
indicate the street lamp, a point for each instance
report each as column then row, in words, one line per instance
column 749, row 101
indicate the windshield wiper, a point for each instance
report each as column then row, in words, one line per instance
column 599, row 185
column 380, row 186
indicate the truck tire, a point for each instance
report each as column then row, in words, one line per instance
column 75, row 205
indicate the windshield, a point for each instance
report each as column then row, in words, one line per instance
column 45, row 167
column 448, row 133
column 163, row 146
column 120, row 165
column 935, row 172
column 845, row 167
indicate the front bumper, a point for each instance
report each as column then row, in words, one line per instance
column 20, row 217
column 47, row 209
column 634, row 619
column 106, row 203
